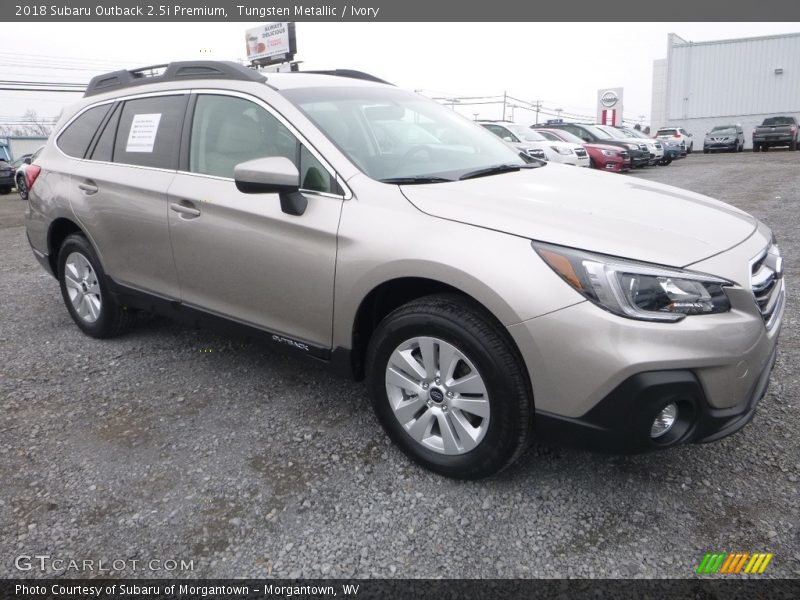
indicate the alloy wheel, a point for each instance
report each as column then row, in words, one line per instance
column 438, row 396
column 82, row 287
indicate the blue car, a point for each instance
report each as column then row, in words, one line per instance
column 673, row 150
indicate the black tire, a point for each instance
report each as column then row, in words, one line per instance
column 22, row 188
column 113, row 319
column 756, row 148
column 5, row 190
column 690, row 148
column 592, row 164
column 456, row 321
column 741, row 147
column 793, row 145
column 705, row 150
column 764, row 148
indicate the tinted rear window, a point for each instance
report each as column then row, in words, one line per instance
column 779, row 121
column 149, row 132
column 74, row 141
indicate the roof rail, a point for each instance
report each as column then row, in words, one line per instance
column 175, row 71
column 349, row 73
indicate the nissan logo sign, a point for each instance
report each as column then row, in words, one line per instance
column 609, row 99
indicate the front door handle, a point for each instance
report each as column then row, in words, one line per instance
column 88, row 187
column 188, row 211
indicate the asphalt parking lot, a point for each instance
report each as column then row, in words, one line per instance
column 177, row 444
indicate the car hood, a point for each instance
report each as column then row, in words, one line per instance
column 593, row 211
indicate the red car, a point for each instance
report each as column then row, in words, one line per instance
column 602, row 156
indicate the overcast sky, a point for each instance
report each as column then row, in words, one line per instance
column 562, row 64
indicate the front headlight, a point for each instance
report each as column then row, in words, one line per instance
column 608, row 153
column 637, row 290
column 632, row 146
column 561, row 150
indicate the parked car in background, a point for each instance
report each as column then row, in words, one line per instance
column 6, row 177
column 663, row 155
column 728, row 138
column 20, row 176
column 525, row 138
column 776, row 131
column 673, row 150
column 592, row 134
column 654, row 148
column 677, row 133
column 601, row 156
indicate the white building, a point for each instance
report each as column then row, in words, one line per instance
column 703, row 84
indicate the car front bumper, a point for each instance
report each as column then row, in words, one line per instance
column 599, row 380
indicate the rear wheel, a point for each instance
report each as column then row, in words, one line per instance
column 793, row 145
column 22, row 188
column 85, row 292
column 449, row 388
column 756, row 147
column 5, row 190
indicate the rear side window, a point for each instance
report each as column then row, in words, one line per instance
column 148, row 133
column 104, row 148
column 74, row 140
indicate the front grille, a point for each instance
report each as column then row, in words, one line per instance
column 766, row 280
column 580, row 152
column 536, row 153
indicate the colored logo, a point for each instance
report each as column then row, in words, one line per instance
column 740, row 562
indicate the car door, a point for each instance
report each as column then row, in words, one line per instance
column 119, row 191
column 239, row 255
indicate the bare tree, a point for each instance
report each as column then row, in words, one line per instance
column 30, row 124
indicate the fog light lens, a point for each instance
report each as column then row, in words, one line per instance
column 664, row 420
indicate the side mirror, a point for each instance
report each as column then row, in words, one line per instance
column 27, row 161
column 272, row 175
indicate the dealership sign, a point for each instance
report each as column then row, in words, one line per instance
column 609, row 106
column 271, row 43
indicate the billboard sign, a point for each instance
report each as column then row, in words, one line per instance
column 271, row 43
column 609, row 106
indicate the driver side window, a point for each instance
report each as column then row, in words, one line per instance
column 227, row 130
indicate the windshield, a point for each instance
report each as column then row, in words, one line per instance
column 562, row 136
column 724, row 131
column 613, row 132
column 635, row 133
column 597, row 132
column 525, row 133
column 779, row 121
column 667, row 132
column 393, row 134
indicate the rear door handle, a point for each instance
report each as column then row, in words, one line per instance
column 189, row 211
column 88, row 187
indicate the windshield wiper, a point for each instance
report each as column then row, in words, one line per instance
column 495, row 170
column 413, row 180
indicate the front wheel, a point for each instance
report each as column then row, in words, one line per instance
column 449, row 388
column 85, row 292
column 5, row 190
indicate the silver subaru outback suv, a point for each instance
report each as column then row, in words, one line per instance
column 486, row 301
